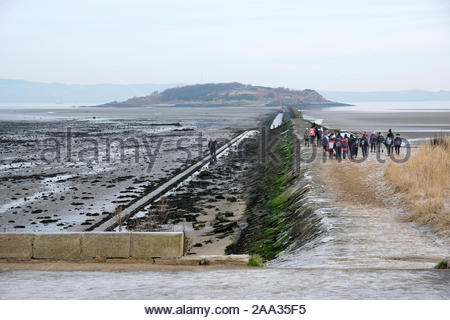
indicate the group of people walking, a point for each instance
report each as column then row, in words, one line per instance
column 343, row 145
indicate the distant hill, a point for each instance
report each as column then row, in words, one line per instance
column 21, row 91
column 406, row 95
column 226, row 94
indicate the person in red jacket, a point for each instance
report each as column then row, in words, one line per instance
column 312, row 134
column 344, row 147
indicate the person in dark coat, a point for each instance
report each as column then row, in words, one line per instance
column 338, row 147
column 389, row 142
column 319, row 134
column 380, row 141
column 324, row 143
column 212, row 150
column 351, row 144
column 373, row 142
column 357, row 140
column 397, row 143
column 364, row 144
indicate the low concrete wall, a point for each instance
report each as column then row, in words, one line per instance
column 163, row 245
column 86, row 245
column 16, row 245
column 110, row 245
column 57, row 246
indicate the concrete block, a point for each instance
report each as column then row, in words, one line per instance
column 16, row 245
column 57, row 246
column 105, row 244
column 146, row 245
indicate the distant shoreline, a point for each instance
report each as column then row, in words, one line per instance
column 410, row 120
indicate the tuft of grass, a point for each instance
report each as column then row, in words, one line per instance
column 441, row 265
column 441, row 141
column 279, row 203
column 119, row 221
column 255, row 261
column 204, row 262
column 424, row 182
column 187, row 243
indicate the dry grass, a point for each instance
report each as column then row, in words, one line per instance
column 348, row 181
column 117, row 214
column 157, row 215
column 162, row 210
column 424, row 182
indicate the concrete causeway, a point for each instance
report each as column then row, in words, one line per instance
column 130, row 211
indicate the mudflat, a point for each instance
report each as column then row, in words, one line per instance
column 65, row 169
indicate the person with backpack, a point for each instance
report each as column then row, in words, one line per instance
column 351, row 144
column 319, row 133
column 330, row 146
column 324, row 143
column 356, row 146
column 212, row 151
column 345, row 147
column 312, row 134
column 380, row 141
column 306, row 136
column 338, row 147
column 389, row 142
column 366, row 135
column 373, row 141
column 364, row 144
column 397, row 144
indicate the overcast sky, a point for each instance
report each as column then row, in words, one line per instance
column 327, row 45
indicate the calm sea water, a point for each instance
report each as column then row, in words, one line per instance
column 416, row 120
column 397, row 106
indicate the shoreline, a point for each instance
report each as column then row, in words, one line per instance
column 413, row 123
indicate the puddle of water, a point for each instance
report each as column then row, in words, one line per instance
column 50, row 185
column 277, row 121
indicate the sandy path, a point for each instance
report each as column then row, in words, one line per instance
column 371, row 222
column 367, row 225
